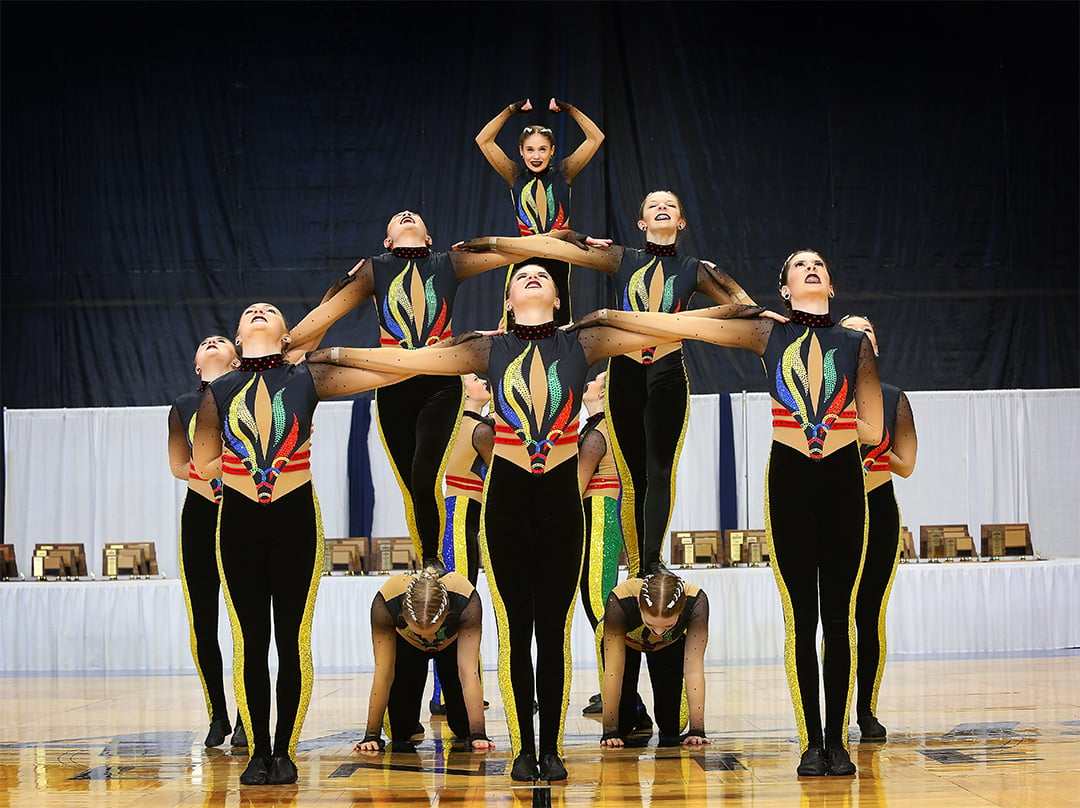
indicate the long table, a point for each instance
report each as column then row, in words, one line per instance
column 140, row 626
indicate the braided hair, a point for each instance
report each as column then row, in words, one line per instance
column 661, row 595
column 426, row 600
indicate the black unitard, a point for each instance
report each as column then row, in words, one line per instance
column 270, row 550
column 815, row 511
column 533, row 525
column 199, row 570
column 883, row 545
column 647, row 402
column 414, row 296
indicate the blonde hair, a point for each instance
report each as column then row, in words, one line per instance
column 662, row 595
column 426, row 600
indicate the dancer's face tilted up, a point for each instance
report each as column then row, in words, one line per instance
column 260, row 319
column 215, row 353
column 805, row 277
column 406, row 229
column 532, row 284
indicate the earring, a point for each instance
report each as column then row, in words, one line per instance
column 509, row 307
column 681, row 226
column 786, row 297
column 235, row 363
column 643, row 228
column 557, row 305
column 832, row 293
column 286, row 339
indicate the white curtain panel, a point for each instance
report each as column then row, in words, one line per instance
column 101, row 475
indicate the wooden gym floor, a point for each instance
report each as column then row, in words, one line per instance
column 962, row 732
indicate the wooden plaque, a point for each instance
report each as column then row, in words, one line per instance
column 349, row 556
column 393, row 553
column 59, row 560
column 8, row 568
column 941, row 542
column 136, row 559
column 1006, row 540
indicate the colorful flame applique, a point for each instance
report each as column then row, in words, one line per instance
column 636, row 293
column 241, row 434
column 239, row 427
column 636, row 296
column 793, row 390
column 398, row 314
column 517, row 407
column 437, row 317
column 537, row 210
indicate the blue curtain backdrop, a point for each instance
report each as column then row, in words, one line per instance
column 165, row 164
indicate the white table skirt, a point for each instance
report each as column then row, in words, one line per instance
column 141, row 626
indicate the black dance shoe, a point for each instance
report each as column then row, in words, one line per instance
column 657, row 568
column 840, row 765
column 642, row 722
column 813, row 763
column 871, row 729
column 551, row 768
column 435, row 565
column 219, row 730
column 525, row 769
column 239, row 737
column 282, row 771
column 593, row 708
column 257, row 771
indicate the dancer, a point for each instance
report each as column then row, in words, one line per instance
column 269, row 537
column 199, row 579
column 668, row 621
column 415, row 618
column 648, row 393
column 413, row 289
column 464, row 480
column 540, row 185
column 465, row 473
column 826, row 400
column 895, row 454
column 599, row 482
column 532, row 539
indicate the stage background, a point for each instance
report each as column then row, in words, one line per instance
column 165, row 164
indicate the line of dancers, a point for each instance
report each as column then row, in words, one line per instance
column 546, row 502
